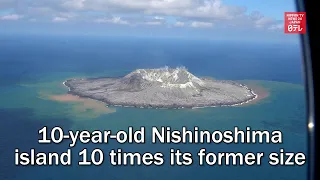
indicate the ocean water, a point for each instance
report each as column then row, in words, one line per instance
column 34, row 67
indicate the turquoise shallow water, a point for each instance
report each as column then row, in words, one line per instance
column 24, row 111
column 282, row 110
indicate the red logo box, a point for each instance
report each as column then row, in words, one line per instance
column 295, row 22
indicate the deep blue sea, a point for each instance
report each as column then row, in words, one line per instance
column 32, row 67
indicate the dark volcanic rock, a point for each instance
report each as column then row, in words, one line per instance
column 161, row 88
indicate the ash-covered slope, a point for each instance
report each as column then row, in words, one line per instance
column 178, row 78
column 161, row 88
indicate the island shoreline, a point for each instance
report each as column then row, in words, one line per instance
column 108, row 104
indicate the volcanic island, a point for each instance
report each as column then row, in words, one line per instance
column 161, row 88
